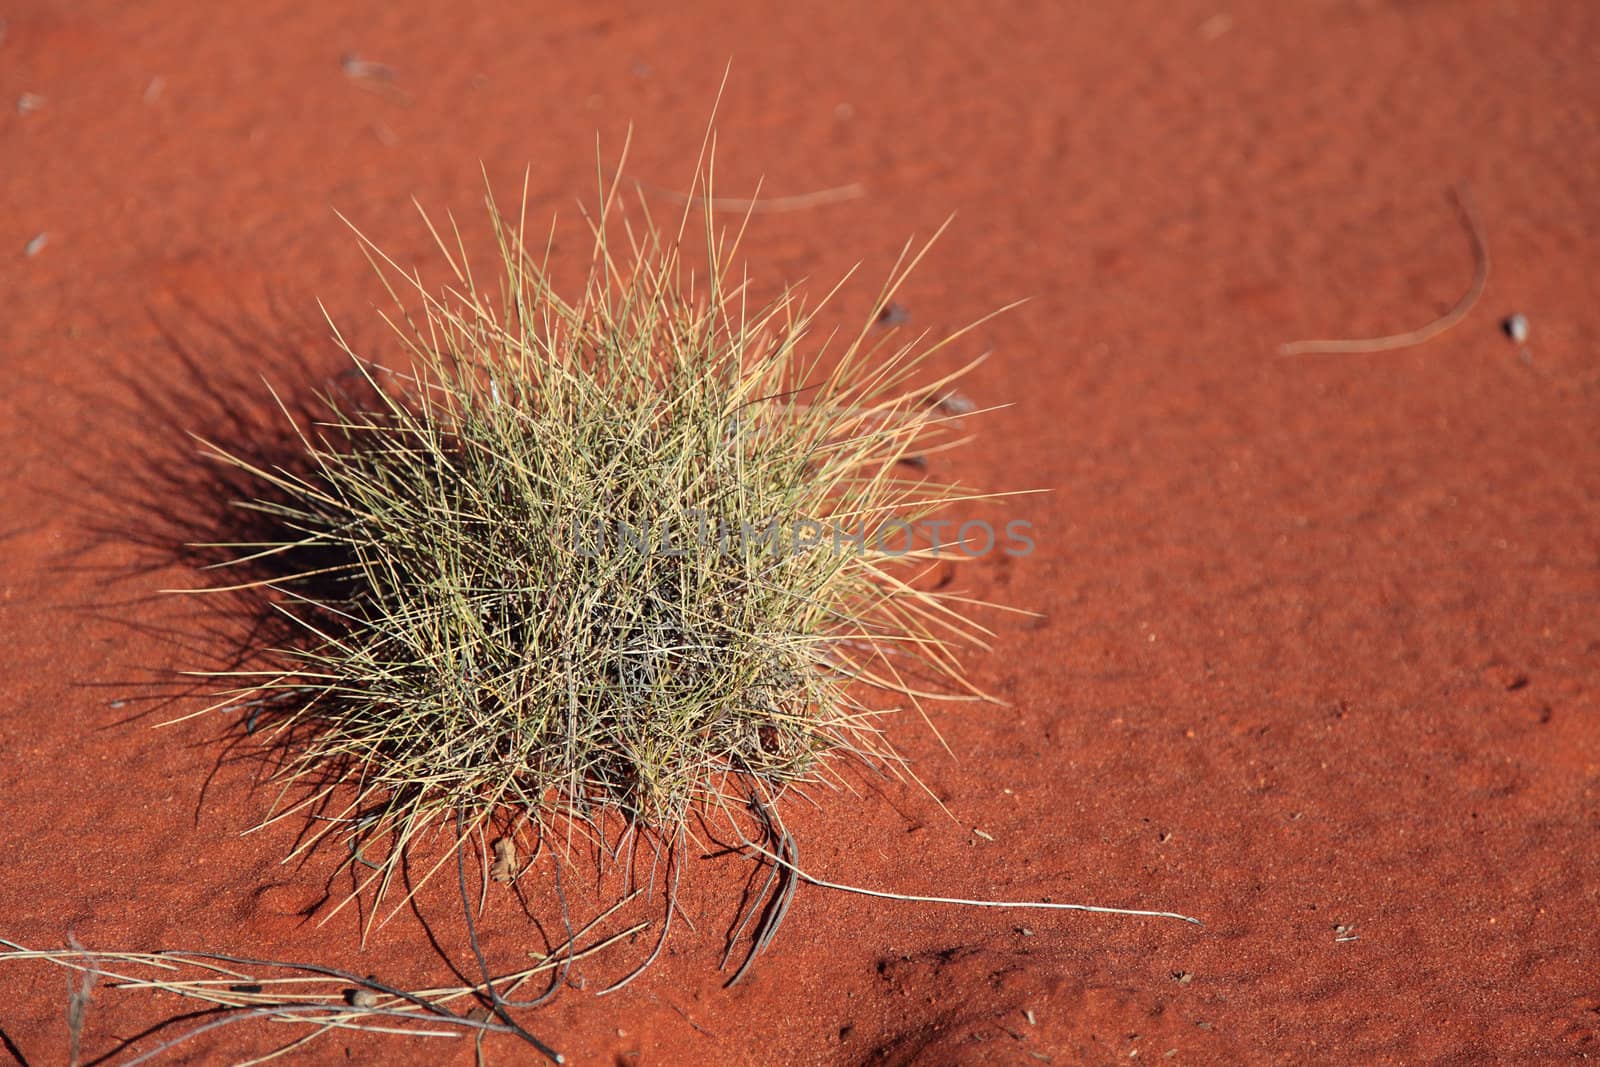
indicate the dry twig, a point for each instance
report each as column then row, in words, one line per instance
column 1410, row 338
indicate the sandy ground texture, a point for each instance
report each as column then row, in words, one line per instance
column 1318, row 658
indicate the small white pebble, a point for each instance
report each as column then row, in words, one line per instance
column 28, row 103
column 362, row 998
column 1516, row 327
column 1027, row 1013
column 981, row 834
column 356, row 67
column 36, row 244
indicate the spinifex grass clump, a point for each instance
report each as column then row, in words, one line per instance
column 636, row 549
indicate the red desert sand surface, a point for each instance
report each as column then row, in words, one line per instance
column 1319, row 651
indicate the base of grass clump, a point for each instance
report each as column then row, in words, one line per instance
column 637, row 549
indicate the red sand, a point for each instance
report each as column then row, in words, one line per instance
column 1321, row 638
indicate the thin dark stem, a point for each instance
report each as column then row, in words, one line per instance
column 496, row 1004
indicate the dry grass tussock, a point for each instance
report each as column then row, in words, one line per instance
column 549, row 565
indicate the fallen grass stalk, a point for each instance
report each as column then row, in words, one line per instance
column 1422, row 334
column 787, row 863
column 323, row 997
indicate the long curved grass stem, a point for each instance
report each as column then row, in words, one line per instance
column 1410, row 338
